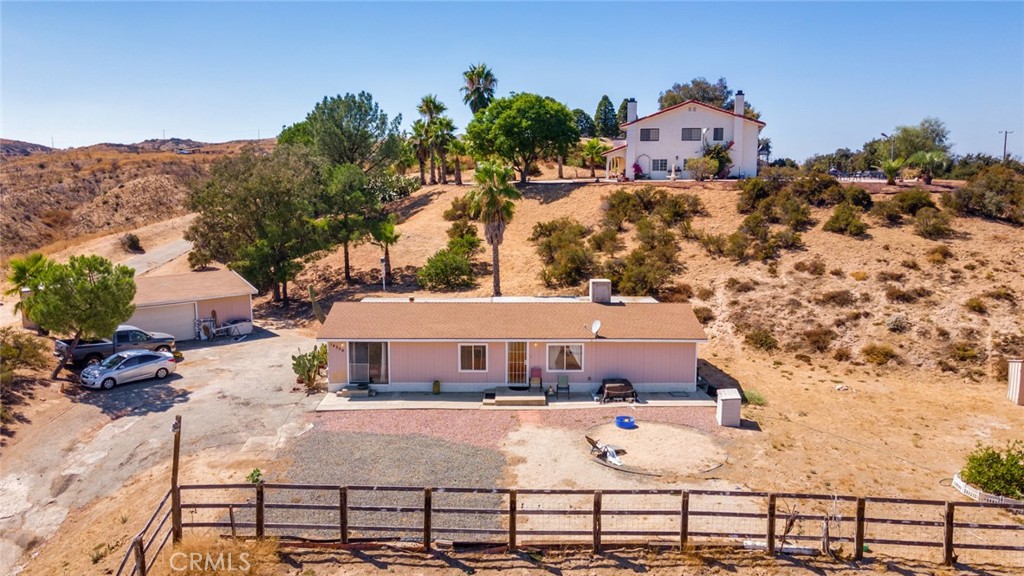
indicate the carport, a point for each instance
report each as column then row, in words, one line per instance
column 178, row 303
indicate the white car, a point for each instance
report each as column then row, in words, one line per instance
column 127, row 366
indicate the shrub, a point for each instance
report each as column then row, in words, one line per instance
column 965, row 352
column 976, row 305
column 837, row 272
column 932, row 224
column 761, row 339
column 567, row 260
column 681, row 292
column 787, row 239
column 446, row 270
column 846, row 220
column 607, row 241
column 939, row 254
column 793, row 212
column 896, row 294
column 462, row 228
column 1000, row 473
column 995, row 192
column 1004, row 293
column 897, row 323
column 878, row 354
column 887, row 211
column 740, row 286
column 819, row 338
column 910, row 264
column 887, row 276
column 713, row 244
column 736, row 245
column 754, row 190
column 814, row 267
column 911, row 201
column 131, row 243
column 703, row 168
column 705, row 293
column 817, row 189
column 704, row 314
column 859, row 275
column 468, row 246
column 858, row 197
column 642, row 274
column 754, row 398
column 459, row 210
column 842, row 355
column 837, row 298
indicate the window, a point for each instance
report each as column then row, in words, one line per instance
column 565, row 357
column 649, row 134
column 691, row 134
column 472, row 358
column 718, row 135
column 659, row 165
column 368, row 362
column 138, row 336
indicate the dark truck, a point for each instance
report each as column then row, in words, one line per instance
column 125, row 338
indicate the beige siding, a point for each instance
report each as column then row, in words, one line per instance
column 230, row 308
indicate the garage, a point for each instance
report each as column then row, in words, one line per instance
column 197, row 304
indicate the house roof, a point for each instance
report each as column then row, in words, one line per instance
column 689, row 103
column 177, row 288
column 620, row 147
column 561, row 320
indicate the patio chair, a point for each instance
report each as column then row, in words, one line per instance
column 563, row 384
column 535, row 379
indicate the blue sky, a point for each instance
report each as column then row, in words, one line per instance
column 823, row 75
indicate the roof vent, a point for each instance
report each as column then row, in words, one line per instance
column 601, row 291
column 412, row 298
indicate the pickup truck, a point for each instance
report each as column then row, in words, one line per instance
column 124, row 338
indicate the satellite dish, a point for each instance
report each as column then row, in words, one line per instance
column 595, row 327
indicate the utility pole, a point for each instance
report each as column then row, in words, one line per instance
column 892, row 146
column 175, row 491
column 1005, row 133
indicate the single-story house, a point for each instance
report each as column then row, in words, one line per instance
column 178, row 303
column 472, row 345
column 660, row 144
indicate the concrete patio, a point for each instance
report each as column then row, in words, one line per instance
column 475, row 401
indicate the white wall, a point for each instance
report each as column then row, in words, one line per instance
column 670, row 143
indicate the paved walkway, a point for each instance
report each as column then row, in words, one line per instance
column 474, row 401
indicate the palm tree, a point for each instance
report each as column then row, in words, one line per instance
column 441, row 136
column 493, row 199
column 420, row 141
column 478, row 91
column 430, row 108
column 592, row 152
column 764, row 148
column 891, row 169
column 458, row 149
column 929, row 163
column 385, row 235
column 25, row 273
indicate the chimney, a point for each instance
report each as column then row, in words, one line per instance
column 740, row 106
column 601, row 291
column 631, row 110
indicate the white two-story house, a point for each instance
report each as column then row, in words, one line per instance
column 667, row 139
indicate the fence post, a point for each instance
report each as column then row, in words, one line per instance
column 343, row 514
column 175, row 491
column 947, row 537
column 597, row 522
column 140, row 555
column 684, row 520
column 428, row 497
column 512, row 505
column 259, row 510
column 770, row 535
column 858, row 537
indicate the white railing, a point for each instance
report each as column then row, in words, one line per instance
column 980, row 495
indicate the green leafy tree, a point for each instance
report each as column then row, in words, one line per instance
column 622, row 115
column 929, row 163
column 254, row 213
column 521, row 129
column 593, row 153
column 891, row 168
column 584, row 123
column 19, row 351
column 717, row 94
column 493, row 198
column 929, row 135
column 605, row 120
column 385, row 234
column 442, row 134
column 347, row 205
column 25, row 273
column 478, row 87
column 352, row 129
column 86, row 298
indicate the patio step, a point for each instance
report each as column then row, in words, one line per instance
column 508, row 397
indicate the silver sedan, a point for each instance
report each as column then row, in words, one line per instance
column 128, row 366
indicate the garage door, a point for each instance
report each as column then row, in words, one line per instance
column 178, row 320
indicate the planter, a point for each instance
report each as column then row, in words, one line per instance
column 437, row 387
column 979, row 495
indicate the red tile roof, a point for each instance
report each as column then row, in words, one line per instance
column 687, row 103
column 613, row 150
column 555, row 320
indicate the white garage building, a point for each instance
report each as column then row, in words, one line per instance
column 174, row 303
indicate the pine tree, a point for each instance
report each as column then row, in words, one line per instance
column 604, row 118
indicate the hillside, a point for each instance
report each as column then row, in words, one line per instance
column 18, row 148
column 59, row 195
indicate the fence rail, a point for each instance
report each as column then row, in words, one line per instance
column 349, row 515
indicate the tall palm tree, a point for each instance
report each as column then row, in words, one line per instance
column 385, row 235
column 458, row 149
column 592, row 152
column 430, row 108
column 420, row 141
column 441, row 136
column 493, row 199
column 25, row 273
column 929, row 163
column 478, row 90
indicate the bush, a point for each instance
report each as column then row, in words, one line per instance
column 878, row 354
column 567, row 260
column 740, row 286
column 754, row 398
column 705, row 293
column 761, row 339
column 713, row 244
column 736, row 245
column 896, row 294
column 754, row 190
column 976, row 305
column 842, row 355
column 462, row 228
column 897, row 323
column 911, row 201
column 131, row 243
column 846, row 220
column 887, row 211
column 704, row 314
column 702, row 169
column 817, row 189
column 675, row 208
column 965, row 352
column 837, row 298
column 459, row 210
column 1000, row 473
column 859, row 275
column 858, row 197
column 887, row 276
column 792, row 212
column 932, row 224
column 642, row 274
column 787, row 239
column 446, row 270
column 607, row 241
column 819, row 338
column 996, row 192
column 1004, row 293
column 814, row 267
column 939, row 254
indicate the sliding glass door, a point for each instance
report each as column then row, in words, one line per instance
column 368, row 362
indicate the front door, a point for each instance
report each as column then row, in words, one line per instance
column 517, row 373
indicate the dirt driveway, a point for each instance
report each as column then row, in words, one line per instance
column 232, row 396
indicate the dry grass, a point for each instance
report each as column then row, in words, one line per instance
column 206, row 553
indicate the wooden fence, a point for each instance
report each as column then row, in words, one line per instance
column 352, row 516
